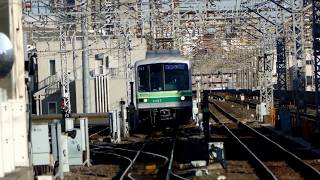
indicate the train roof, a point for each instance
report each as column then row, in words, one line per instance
column 159, row 53
column 163, row 56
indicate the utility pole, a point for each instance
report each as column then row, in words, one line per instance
column 85, row 59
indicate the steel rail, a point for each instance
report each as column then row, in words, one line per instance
column 144, row 152
column 138, row 152
column 308, row 170
column 253, row 105
column 171, row 160
column 131, row 161
column 265, row 170
column 177, row 176
column 125, row 157
column 96, row 133
column 131, row 164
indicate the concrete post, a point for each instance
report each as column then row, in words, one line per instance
column 206, row 115
column 85, row 62
column 132, row 110
column 85, row 139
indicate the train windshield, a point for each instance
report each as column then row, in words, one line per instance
column 143, row 81
column 163, row 77
column 156, row 77
column 176, row 77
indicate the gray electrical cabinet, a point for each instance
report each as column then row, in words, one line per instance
column 75, row 149
column 40, row 144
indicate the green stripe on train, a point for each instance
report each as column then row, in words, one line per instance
column 163, row 94
column 162, row 100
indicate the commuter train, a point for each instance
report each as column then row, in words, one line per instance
column 163, row 89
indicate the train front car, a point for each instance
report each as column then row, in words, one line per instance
column 164, row 90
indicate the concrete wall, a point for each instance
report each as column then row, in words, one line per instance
column 78, row 102
column 117, row 91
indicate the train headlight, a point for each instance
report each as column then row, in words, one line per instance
column 145, row 100
column 183, row 98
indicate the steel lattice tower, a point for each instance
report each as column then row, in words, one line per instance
column 298, row 34
column 65, row 92
column 281, row 60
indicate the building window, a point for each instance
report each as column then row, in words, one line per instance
column 107, row 62
column 309, row 80
column 52, row 66
column 101, row 69
column 309, row 62
column 52, row 108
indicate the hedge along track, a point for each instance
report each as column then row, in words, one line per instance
column 271, row 161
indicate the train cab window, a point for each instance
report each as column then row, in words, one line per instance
column 156, row 77
column 176, row 77
column 143, row 78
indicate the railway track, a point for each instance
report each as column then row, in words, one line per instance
column 308, row 116
column 150, row 159
column 155, row 165
column 269, row 159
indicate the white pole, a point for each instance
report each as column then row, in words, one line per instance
column 103, row 93
column 85, row 61
column 1, row 130
column 100, row 93
column 105, row 100
column 118, row 120
column 114, row 124
column 83, row 134
column 96, row 94
column 60, row 151
column 69, row 123
column 87, row 141
column 108, row 97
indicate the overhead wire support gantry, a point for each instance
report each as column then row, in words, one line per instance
column 299, row 80
column 295, row 12
column 281, row 61
column 65, row 91
column 265, row 58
